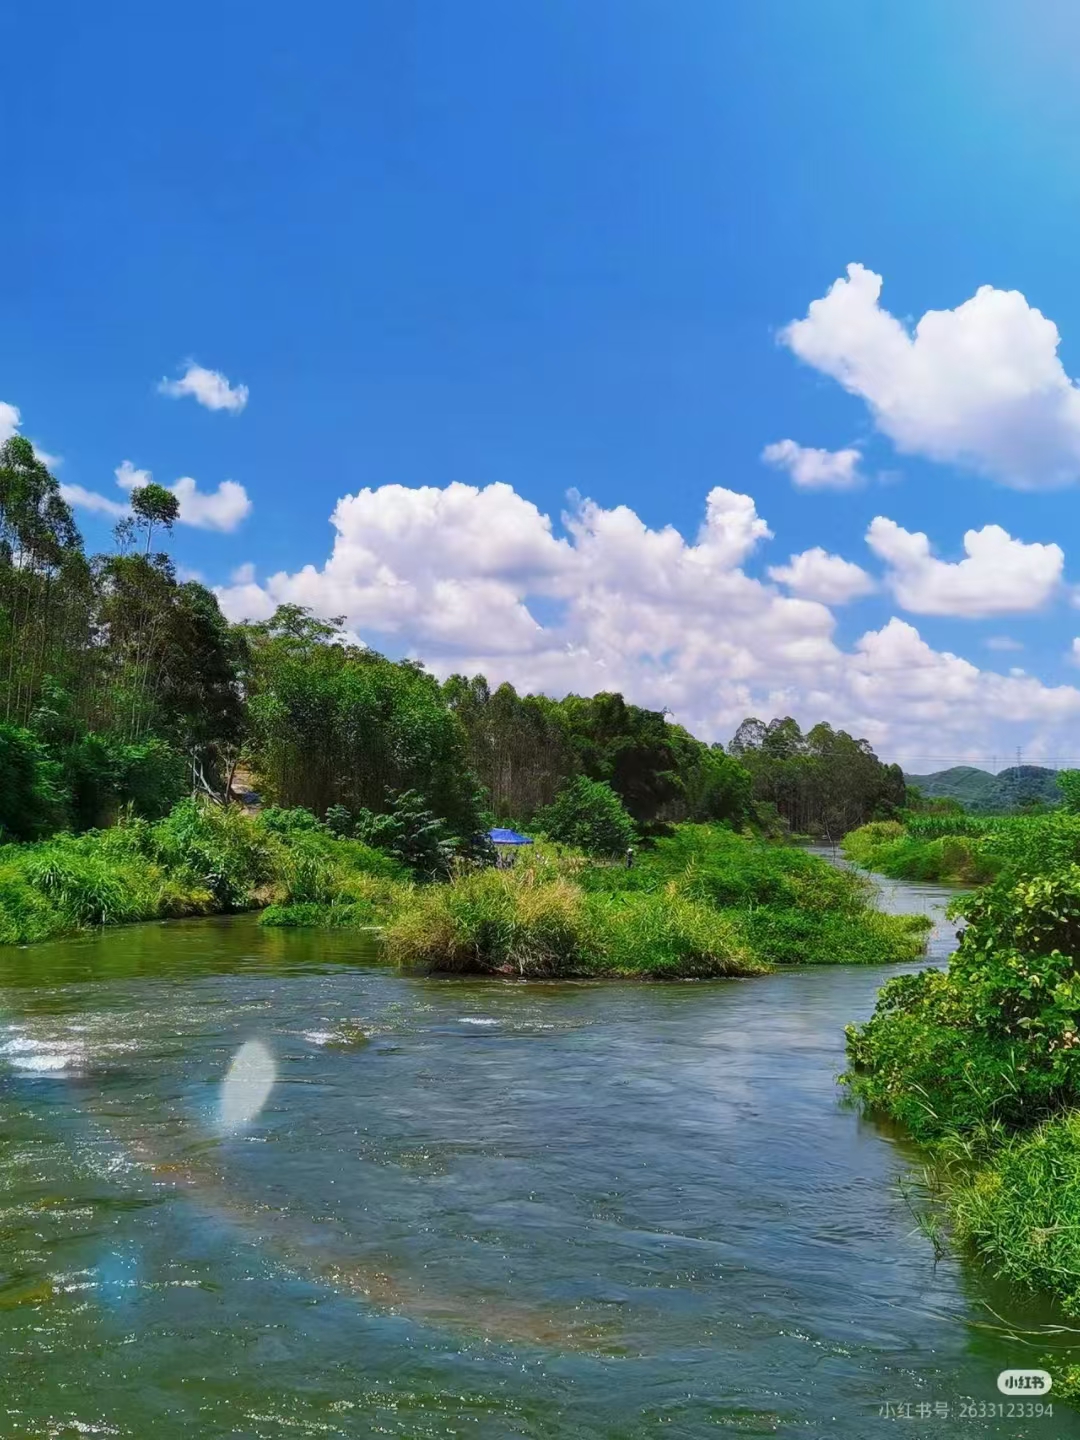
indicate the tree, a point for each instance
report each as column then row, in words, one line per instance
column 337, row 724
column 153, row 505
column 519, row 745
column 822, row 783
column 590, row 816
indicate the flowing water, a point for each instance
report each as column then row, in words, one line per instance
column 466, row 1208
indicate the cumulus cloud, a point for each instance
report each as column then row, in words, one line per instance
column 209, row 387
column 84, row 499
column 980, row 386
column 220, row 509
column 999, row 575
column 812, row 469
column 817, row 575
column 479, row 580
column 10, row 420
column 10, row 423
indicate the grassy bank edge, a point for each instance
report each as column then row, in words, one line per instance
column 703, row 903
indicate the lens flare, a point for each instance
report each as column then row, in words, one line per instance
column 246, row 1086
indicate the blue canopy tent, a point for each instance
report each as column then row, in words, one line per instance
column 506, row 843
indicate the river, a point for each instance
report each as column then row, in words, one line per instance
column 468, row 1208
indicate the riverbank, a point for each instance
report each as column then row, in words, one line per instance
column 981, row 1063
column 965, row 849
column 702, row 903
column 200, row 860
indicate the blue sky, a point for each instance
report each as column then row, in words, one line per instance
column 554, row 247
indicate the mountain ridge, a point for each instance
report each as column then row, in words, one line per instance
column 980, row 791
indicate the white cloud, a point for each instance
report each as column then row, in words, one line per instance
column 474, row 579
column 243, row 574
column 817, row 575
column 812, row 469
column 209, row 387
column 129, row 478
column 1074, row 653
column 90, row 500
column 10, row 422
column 220, row 509
column 1003, row 643
column 999, row 576
column 980, row 386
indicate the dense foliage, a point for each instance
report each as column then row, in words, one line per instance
column 525, row 747
column 983, row 1060
column 965, row 849
column 589, row 815
column 821, row 783
column 118, row 683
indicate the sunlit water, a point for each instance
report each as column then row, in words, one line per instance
column 461, row 1208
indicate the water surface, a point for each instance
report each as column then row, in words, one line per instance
column 468, row 1207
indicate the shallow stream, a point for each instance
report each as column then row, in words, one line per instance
column 467, row 1208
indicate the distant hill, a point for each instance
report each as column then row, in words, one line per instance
column 988, row 794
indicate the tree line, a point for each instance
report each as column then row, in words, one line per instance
column 123, row 686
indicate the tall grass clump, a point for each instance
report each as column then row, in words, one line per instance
column 199, row 859
column 790, row 907
column 1021, row 1212
column 536, row 925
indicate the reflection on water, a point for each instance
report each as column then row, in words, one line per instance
column 464, row 1207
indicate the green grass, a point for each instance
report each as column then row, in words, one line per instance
column 965, row 849
column 1020, row 1213
column 703, row 902
column 534, row 924
column 200, row 859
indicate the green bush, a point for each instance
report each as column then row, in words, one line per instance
column 590, row 816
column 996, row 1038
column 788, row 935
column 221, row 848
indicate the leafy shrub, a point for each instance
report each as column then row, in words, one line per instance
column 407, row 830
column 101, row 776
column 296, row 821
column 590, row 816
column 220, row 848
column 996, row 1038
